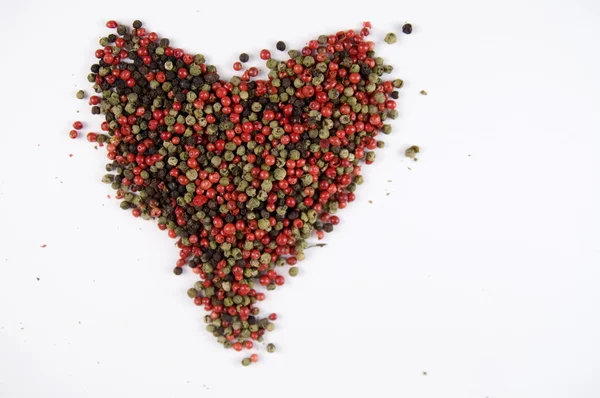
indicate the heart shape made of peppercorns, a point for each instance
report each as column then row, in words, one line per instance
column 241, row 172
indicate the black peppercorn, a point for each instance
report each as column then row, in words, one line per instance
column 137, row 24
column 407, row 29
column 244, row 57
column 281, row 46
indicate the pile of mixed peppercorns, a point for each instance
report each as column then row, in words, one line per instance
column 239, row 172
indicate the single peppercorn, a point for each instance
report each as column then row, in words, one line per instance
column 293, row 271
column 411, row 152
column 244, row 58
column 407, row 29
column 80, row 94
column 280, row 46
column 265, row 55
column 390, row 38
column 271, row 347
column 77, row 125
column 246, row 361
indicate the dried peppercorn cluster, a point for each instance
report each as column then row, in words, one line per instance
column 239, row 172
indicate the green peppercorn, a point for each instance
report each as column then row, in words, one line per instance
column 390, row 38
column 411, row 152
column 293, row 271
column 246, row 362
column 271, row 347
column 80, row 94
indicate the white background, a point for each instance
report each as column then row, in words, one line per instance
column 480, row 268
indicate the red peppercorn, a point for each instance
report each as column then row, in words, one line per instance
column 254, row 358
column 73, row 134
column 265, row 54
column 77, row 125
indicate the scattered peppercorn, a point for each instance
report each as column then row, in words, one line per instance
column 411, row 152
column 407, row 29
column 239, row 172
column 423, row 92
column 390, row 38
column 80, row 94
column 73, row 134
